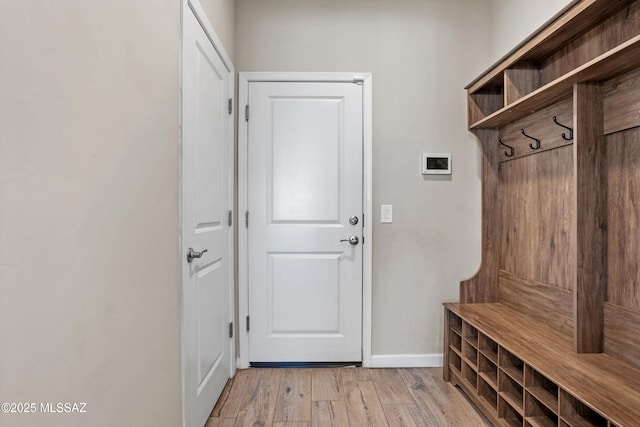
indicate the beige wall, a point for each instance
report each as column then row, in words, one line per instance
column 89, row 163
column 421, row 54
column 513, row 21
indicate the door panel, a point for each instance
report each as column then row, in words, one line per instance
column 306, row 173
column 205, row 199
column 304, row 294
column 305, row 181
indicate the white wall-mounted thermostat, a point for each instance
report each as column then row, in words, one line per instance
column 436, row 164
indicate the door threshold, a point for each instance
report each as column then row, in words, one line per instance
column 305, row 364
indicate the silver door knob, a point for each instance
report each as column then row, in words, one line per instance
column 191, row 254
column 353, row 240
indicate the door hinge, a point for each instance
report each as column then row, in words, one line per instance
column 246, row 112
column 231, row 330
column 230, row 220
column 246, row 219
column 248, row 324
column 359, row 80
column 230, row 105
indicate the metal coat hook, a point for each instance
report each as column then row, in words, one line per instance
column 508, row 154
column 564, row 135
column 535, row 139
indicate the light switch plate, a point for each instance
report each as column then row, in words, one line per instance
column 386, row 214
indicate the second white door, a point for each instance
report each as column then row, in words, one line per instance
column 305, row 157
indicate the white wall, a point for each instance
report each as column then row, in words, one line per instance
column 421, row 53
column 514, row 20
column 89, row 184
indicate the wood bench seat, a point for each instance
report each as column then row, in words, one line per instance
column 606, row 385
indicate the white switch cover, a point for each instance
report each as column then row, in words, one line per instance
column 386, row 214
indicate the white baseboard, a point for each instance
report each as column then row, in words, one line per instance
column 406, row 361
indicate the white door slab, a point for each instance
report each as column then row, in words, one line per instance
column 206, row 302
column 305, row 181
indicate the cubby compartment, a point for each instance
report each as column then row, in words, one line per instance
column 470, row 334
column 520, row 80
column 455, row 361
column 543, row 389
column 455, row 340
column 487, row 392
column 485, row 102
column 508, row 414
column 488, row 347
column 538, row 414
column 511, row 365
column 469, row 374
column 470, row 355
column 488, row 371
column 511, row 391
column 576, row 414
column 455, row 323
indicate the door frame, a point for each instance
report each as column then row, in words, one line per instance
column 244, row 78
column 194, row 6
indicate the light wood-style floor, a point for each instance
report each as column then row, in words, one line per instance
column 343, row 397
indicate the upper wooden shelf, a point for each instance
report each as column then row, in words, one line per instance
column 622, row 58
column 575, row 19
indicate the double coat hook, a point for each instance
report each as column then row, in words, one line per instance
column 507, row 153
column 564, row 135
column 535, row 139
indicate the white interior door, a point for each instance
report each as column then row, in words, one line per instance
column 206, row 284
column 305, row 176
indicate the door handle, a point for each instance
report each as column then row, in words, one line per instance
column 191, row 254
column 353, row 240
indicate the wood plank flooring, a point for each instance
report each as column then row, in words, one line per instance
column 343, row 397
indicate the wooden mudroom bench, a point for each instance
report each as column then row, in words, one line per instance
column 547, row 333
column 515, row 368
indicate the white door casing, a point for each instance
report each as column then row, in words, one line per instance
column 206, row 198
column 301, row 179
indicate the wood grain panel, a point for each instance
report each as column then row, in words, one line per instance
column 354, row 374
column 326, row 384
column 622, row 102
column 220, row 422
column 484, row 103
column 589, row 159
column 483, row 286
column 621, row 338
column 292, row 424
column 233, row 401
column 437, row 400
column 608, row 34
column 537, row 217
column 539, row 301
column 390, row 387
column 404, row 416
column 363, row 406
column 329, row 414
column 623, row 200
column 519, row 81
column 294, row 398
column 539, row 125
column 260, row 399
